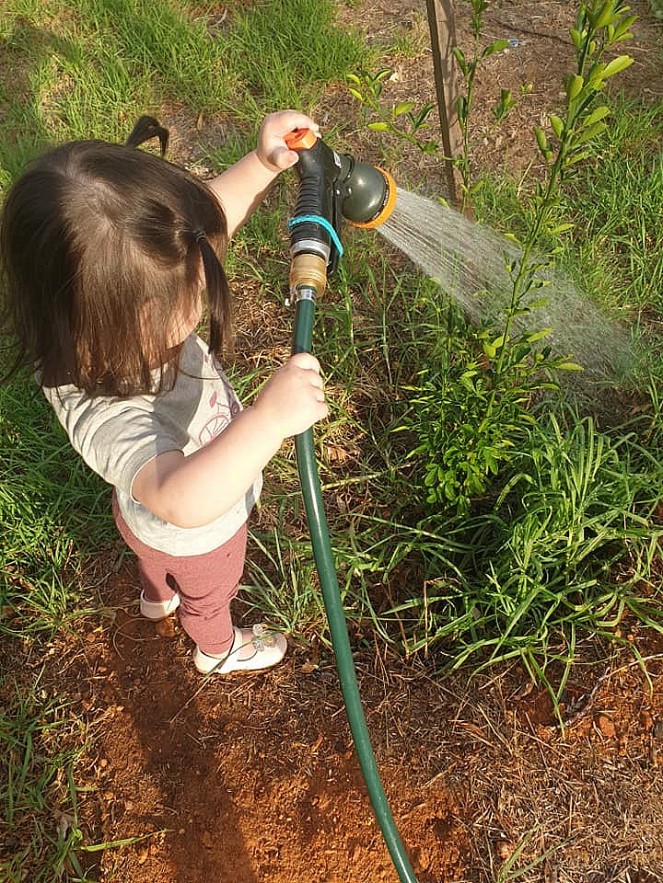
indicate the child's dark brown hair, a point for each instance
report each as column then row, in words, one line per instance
column 103, row 248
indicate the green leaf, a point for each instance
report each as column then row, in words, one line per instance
column 541, row 140
column 419, row 119
column 569, row 366
column 621, row 29
column 403, row 107
column 539, row 335
column 574, row 86
column 557, row 125
column 596, row 115
column 577, row 157
column 354, row 79
column 495, row 46
column 378, row 127
column 459, row 55
column 617, row 65
column 605, row 15
column 356, row 94
column 561, row 228
column 591, row 132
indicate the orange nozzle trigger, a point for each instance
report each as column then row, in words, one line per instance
column 301, row 139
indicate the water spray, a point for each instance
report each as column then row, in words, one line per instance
column 334, row 188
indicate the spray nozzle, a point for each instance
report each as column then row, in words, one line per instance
column 333, row 187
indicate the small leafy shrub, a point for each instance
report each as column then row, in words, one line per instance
column 467, row 419
column 470, row 406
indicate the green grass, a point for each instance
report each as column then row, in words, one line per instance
column 287, row 65
column 88, row 69
column 614, row 202
column 38, row 751
column 54, row 512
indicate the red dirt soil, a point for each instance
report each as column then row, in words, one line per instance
column 254, row 778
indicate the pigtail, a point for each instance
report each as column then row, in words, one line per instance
column 218, row 295
column 145, row 129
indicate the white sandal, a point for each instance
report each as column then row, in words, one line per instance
column 252, row 650
column 157, row 610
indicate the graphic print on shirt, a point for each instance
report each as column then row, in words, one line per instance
column 220, row 417
column 222, row 407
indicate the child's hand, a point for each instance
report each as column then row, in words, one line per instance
column 272, row 150
column 293, row 398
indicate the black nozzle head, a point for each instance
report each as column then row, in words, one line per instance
column 368, row 194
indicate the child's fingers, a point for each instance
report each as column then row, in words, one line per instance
column 283, row 122
column 272, row 149
column 283, row 158
column 305, row 360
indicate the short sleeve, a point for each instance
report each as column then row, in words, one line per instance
column 115, row 437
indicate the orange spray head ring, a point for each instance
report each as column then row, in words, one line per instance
column 387, row 207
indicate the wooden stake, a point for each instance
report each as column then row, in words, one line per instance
column 441, row 22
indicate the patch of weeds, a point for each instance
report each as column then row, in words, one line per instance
column 547, row 558
column 282, row 587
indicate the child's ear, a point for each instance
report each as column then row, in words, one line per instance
column 145, row 129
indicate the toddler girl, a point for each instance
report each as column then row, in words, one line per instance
column 108, row 253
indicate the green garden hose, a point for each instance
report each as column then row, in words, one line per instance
column 317, row 522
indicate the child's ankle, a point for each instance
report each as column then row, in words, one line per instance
column 207, row 653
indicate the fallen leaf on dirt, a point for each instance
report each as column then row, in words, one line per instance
column 606, row 726
column 166, row 628
column 504, row 849
column 65, row 821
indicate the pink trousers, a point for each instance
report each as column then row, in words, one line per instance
column 205, row 583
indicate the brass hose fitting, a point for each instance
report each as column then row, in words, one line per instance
column 307, row 271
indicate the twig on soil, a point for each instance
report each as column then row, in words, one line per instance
column 520, row 30
column 607, row 674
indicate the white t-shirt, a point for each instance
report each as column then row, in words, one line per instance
column 117, row 436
